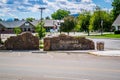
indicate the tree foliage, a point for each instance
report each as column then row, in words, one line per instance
column 17, row 30
column 30, row 19
column 40, row 30
column 16, row 19
column 116, row 8
column 100, row 19
column 0, row 19
column 60, row 14
column 68, row 25
column 83, row 21
column 47, row 18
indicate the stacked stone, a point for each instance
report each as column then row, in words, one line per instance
column 24, row 41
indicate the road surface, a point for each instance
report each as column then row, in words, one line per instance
column 26, row 65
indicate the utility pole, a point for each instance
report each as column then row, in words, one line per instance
column 41, row 10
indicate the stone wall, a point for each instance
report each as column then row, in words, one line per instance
column 64, row 42
column 24, row 41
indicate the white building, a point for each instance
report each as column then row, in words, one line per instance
column 116, row 23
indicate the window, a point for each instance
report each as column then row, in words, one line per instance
column 24, row 29
column 27, row 24
column 119, row 28
column 29, row 29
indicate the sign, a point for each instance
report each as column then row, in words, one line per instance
column 64, row 42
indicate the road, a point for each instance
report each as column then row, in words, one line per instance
column 26, row 65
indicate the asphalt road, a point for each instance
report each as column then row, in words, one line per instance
column 57, row 66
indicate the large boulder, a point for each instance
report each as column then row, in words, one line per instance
column 65, row 42
column 24, row 41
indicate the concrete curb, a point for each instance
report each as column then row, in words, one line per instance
column 114, row 53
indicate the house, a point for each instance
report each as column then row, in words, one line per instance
column 8, row 27
column 116, row 23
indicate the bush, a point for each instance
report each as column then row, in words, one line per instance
column 40, row 30
column 117, row 32
column 1, row 42
column 41, row 46
column 17, row 30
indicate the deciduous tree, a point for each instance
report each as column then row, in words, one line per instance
column 30, row 19
column 40, row 30
column 17, row 30
column 83, row 21
column 68, row 25
column 60, row 14
column 116, row 8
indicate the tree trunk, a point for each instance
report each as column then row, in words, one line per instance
column 88, row 32
column 68, row 33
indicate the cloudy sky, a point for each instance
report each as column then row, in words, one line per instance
column 29, row 8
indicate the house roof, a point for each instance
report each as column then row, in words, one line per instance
column 48, row 23
column 117, row 21
column 35, row 22
column 12, row 24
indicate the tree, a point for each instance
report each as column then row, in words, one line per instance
column 47, row 18
column 40, row 30
column 83, row 21
column 17, row 30
column 30, row 19
column 60, row 14
column 100, row 21
column 68, row 25
column 0, row 19
column 16, row 19
column 116, row 8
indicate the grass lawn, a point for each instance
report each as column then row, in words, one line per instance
column 105, row 36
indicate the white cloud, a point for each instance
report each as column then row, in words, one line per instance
column 73, row 6
column 34, row 8
column 4, row 1
column 20, row 6
column 86, row 1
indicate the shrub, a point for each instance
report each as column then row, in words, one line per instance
column 40, row 30
column 17, row 30
column 41, row 46
column 117, row 32
column 1, row 42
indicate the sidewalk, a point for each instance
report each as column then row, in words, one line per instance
column 93, row 52
column 106, row 53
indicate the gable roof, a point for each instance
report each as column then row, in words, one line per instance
column 12, row 24
column 117, row 21
column 48, row 23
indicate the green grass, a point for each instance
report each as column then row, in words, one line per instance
column 105, row 36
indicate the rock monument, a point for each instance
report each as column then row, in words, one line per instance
column 65, row 42
column 24, row 41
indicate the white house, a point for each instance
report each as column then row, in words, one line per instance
column 116, row 23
